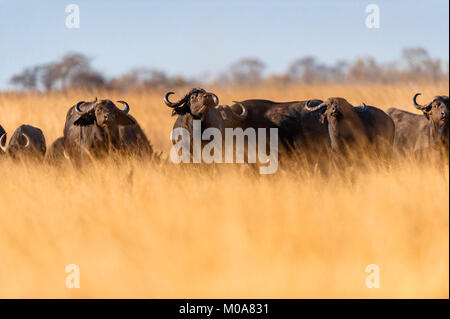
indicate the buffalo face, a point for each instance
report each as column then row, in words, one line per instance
column 103, row 113
column 439, row 116
column 332, row 112
column 201, row 101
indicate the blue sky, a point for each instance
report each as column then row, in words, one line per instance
column 201, row 37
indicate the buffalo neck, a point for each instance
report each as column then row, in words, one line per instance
column 439, row 135
column 112, row 135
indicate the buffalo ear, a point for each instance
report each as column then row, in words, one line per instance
column 427, row 111
column 124, row 119
column 85, row 119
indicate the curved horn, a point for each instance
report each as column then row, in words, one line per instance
column 244, row 113
column 166, row 99
column 363, row 105
column 27, row 138
column 418, row 106
column 314, row 108
column 127, row 107
column 172, row 104
column 77, row 107
column 216, row 99
column 3, row 142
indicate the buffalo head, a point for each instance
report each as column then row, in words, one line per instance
column 26, row 141
column 344, row 125
column 437, row 112
column 104, row 113
column 333, row 109
column 196, row 102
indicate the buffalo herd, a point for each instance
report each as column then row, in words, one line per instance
column 99, row 128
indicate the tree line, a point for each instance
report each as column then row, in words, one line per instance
column 74, row 70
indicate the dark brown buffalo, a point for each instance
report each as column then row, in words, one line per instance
column 95, row 129
column 27, row 142
column 417, row 132
column 298, row 129
column 201, row 105
column 356, row 128
column 55, row 154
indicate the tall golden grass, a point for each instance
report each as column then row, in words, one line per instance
column 139, row 230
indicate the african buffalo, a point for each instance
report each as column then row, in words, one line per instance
column 27, row 141
column 297, row 128
column 201, row 105
column 356, row 128
column 417, row 132
column 94, row 129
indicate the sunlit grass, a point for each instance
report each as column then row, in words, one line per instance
column 153, row 231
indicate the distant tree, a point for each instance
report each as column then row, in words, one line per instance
column 70, row 67
column 415, row 58
column 73, row 70
column 390, row 73
column 421, row 65
column 141, row 77
column 27, row 79
column 87, row 79
column 433, row 69
column 49, row 76
column 338, row 72
column 303, row 69
column 247, row 71
column 364, row 70
column 308, row 70
column 155, row 78
column 123, row 82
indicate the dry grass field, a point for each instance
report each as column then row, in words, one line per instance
column 137, row 230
